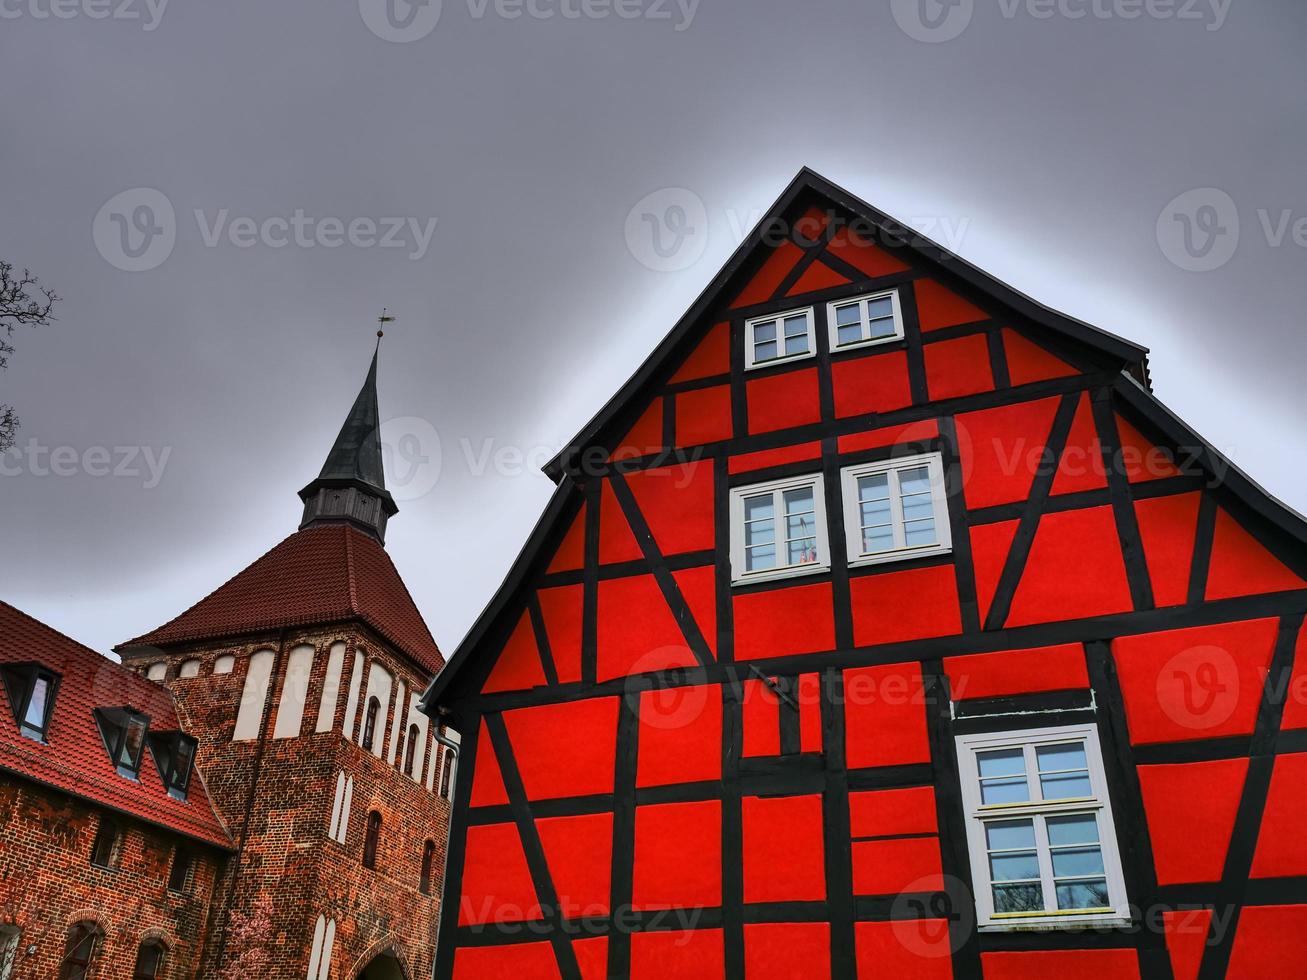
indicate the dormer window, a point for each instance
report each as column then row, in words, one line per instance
column 31, row 690
column 123, row 731
column 174, row 755
column 779, row 337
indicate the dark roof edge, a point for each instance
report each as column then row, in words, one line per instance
column 808, row 179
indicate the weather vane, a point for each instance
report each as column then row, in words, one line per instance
column 381, row 323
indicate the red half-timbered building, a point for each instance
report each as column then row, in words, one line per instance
column 884, row 624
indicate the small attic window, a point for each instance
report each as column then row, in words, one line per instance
column 861, row 321
column 31, row 689
column 174, row 756
column 779, row 337
column 124, row 732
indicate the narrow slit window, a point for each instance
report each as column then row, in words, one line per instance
column 104, row 848
column 372, row 840
column 179, row 878
column 370, row 724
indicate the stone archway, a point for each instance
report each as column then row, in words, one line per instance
column 384, row 966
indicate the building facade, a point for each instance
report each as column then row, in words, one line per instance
column 324, row 791
column 884, row 625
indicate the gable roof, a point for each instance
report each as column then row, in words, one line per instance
column 1131, row 387
column 330, row 573
column 73, row 759
column 806, row 188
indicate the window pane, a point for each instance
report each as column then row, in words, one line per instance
column 918, row 534
column 882, row 328
column 849, row 334
column 881, row 306
column 758, row 533
column 875, row 539
column 764, row 352
column 1068, row 786
column 799, row 501
column 1021, row 866
column 759, row 559
column 1004, row 789
column 1009, row 835
column 131, row 751
column 1001, row 762
column 1061, row 757
column 759, row 507
column 35, row 716
column 764, row 331
column 1082, row 828
column 915, row 480
column 1074, row 862
column 797, row 326
column 874, row 486
column 1090, row 894
column 796, row 345
column 846, row 315
column 1018, row 898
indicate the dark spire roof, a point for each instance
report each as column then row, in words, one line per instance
column 352, row 485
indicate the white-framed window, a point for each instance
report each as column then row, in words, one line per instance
column 895, row 509
column 1039, row 829
column 778, row 529
column 779, row 337
column 861, row 321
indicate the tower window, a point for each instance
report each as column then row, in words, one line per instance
column 79, row 954
column 447, row 774
column 779, row 337
column 372, row 839
column 180, row 875
column 189, row 668
column 149, row 961
column 103, row 850
column 410, row 750
column 370, row 724
column 778, row 529
column 31, row 689
column 864, row 320
column 174, row 755
column 123, row 731
column 428, row 859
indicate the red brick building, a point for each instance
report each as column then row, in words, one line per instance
column 884, row 624
column 318, row 805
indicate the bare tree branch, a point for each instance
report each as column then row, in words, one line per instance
column 23, row 301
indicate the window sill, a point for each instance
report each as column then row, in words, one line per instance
column 777, row 574
column 836, row 350
column 1058, row 923
column 905, row 555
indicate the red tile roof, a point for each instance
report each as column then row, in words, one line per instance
column 74, row 759
column 326, row 574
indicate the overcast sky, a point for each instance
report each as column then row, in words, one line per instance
column 1045, row 140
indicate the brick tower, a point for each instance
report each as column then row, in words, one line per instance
column 300, row 678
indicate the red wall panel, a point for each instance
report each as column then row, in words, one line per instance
column 515, row 962
column 1072, row 964
column 570, row 555
column 956, row 368
column 1081, row 467
column 892, row 812
column 694, row 955
column 891, row 607
column 1075, row 570
column 773, row 457
column 863, row 255
column 1001, row 450
column 487, row 781
column 680, row 737
column 1281, row 844
column 565, row 749
column 786, row 951
column 940, row 307
column 677, row 504
column 1190, row 842
column 1168, row 526
column 784, row 860
column 616, row 539
column 776, row 623
column 645, row 437
column 892, row 435
column 678, row 856
column 1027, row 362
column 911, row 949
column 783, row 401
column 1270, row 943
column 871, row 384
column 703, row 416
column 885, row 716
column 1186, row 939
column 637, row 632
column 711, row 358
column 1241, row 565
column 992, row 675
column 579, row 853
column 990, row 546
column 893, row 867
column 561, row 609
column 760, row 711
column 518, row 667
column 768, row 278
column 497, row 883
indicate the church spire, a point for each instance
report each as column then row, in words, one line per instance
column 352, row 485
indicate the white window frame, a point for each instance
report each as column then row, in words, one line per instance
column 750, row 363
column 978, row 814
column 849, row 476
column 868, row 340
column 777, row 488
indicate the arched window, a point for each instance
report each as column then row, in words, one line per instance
column 189, row 668
column 428, row 857
column 446, row 774
column 79, row 955
column 149, row 961
column 372, row 839
column 224, row 664
column 370, row 724
column 410, row 750
column 157, row 672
